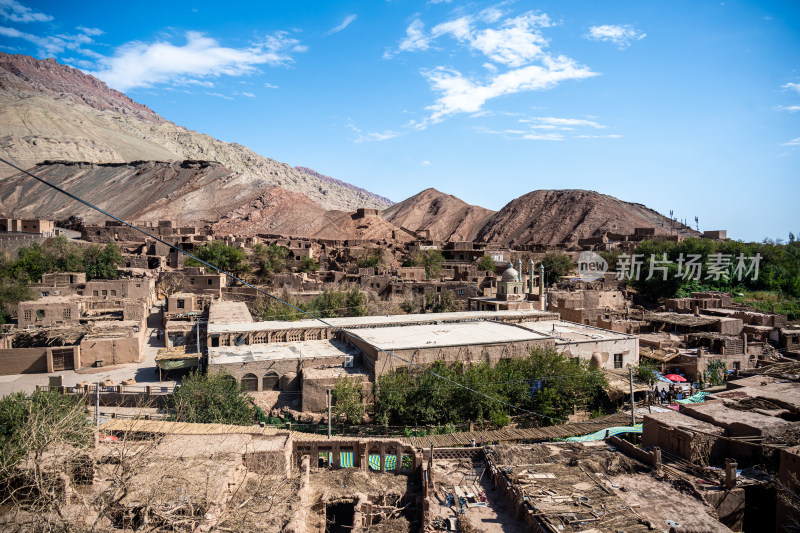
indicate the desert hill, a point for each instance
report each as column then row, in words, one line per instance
column 445, row 216
column 562, row 216
column 53, row 112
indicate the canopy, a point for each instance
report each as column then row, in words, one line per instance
column 675, row 377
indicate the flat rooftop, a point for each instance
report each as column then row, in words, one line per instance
column 228, row 313
column 221, row 321
column 278, row 351
column 571, row 332
column 446, row 334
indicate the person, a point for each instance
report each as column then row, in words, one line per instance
column 663, row 395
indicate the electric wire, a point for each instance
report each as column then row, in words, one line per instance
column 265, row 293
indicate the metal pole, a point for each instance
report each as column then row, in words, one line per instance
column 633, row 404
column 329, row 414
column 199, row 354
column 97, row 404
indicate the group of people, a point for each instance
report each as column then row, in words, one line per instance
column 668, row 394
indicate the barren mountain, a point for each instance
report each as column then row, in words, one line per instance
column 447, row 217
column 561, row 216
column 53, row 112
column 328, row 179
column 283, row 212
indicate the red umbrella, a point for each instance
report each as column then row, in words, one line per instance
column 675, row 377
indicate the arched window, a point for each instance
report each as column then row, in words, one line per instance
column 250, row 382
column 271, row 381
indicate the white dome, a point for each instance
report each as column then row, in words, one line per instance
column 510, row 274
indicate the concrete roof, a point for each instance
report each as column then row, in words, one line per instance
column 782, row 393
column 228, row 313
column 225, row 325
column 447, row 334
column 279, row 350
column 571, row 332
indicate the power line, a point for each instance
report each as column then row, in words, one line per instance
column 231, row 276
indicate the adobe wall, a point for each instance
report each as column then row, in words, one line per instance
column 23, row 361
column 281, row 367
column 315, row 394
column 629, row 348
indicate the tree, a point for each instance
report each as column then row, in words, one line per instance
column 226, row 258
column 102, row 262
column 646, row 371
column 13, row 291
column 347, row 400
column 556, row 266
column 268, row 260
column 212, row 399
column 430, row 259
column 486, row 263
column 308, row 264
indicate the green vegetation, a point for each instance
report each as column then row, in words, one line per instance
column 771, row 302
column 211, row 399
column 329, row 304
column 266, row 261
column 226, row 258
column 778, row 270
column 430, row 259
column 715, row 372
column 308, row 264
column 347, row 400
column 31, row 425
column 646, row 371
column 371, row 261
column 56, row 255
column 486, row 263
column 556, row 266
column 545, row 383
column 432, row 302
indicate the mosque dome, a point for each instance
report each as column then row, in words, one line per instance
column 510, row 274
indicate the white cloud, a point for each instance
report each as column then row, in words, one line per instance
column 559, row 123
column 461, row 95
column 249, row 95
column 792, row 86
column 270, row 86
column 793, row 142
column 220, row 95
column 791, row 108
column 345, row 23
column 426, row 163
column 552, row 129
column 94, row 32
column 516, row 50
column 52, row 45
column 362, row 136
column 16, row 12
column 139, row 64
column 622, row 36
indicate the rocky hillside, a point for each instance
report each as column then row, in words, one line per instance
column 53, row 112
column 563, row 216
column 328, row 179
column 445, row 216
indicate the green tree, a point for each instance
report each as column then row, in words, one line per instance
column 556, row 266
column 370, row 261
column 646, row 371
column 101, row 262
column 13, row 291
column 269, row 260
column 431, row 260
column 308, row 264
column 226, row 258
column 333, row 303
column 347, row 400
column 486, row 263
column 212, row 399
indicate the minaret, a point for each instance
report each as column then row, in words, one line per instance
column 530, row 275
column 519, row 269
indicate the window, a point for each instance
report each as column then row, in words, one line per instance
column 105, row 293
column 40, row 314
column 192, row 281
column 67, row 313
column 28, row 314
column 461, row 292
column 113, row 292
column 210, row 281
column 181, row 304
column 95, row 293
column 617, row 360
column 736, row 365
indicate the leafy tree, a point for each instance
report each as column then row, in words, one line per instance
column 102, row 262
column 646, row 371
column 212, row 399
column 227, row 258
column 347, row 400
column 556, row 266
column 308, row 264
column 13, row 291
column 31, row 425
column 443, row 302
column 370, row 261
column 431, row 260
column 486, row 263
column 268, row 260
column 333, row 303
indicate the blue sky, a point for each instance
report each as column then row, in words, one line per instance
column 692, row 106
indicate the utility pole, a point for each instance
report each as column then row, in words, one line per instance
column 199, row 353
column 633, row 404
column 96, row 404
column 329, row 414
